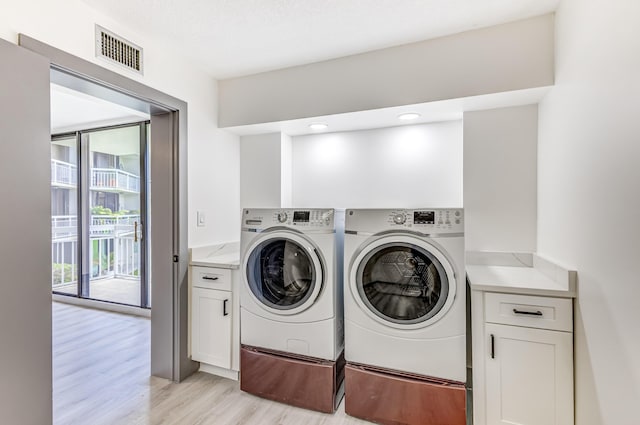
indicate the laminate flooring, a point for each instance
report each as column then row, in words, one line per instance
column 125, row 291
column 101, row 376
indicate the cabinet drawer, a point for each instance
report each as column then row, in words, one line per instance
column 533, row 312
column 211, row 278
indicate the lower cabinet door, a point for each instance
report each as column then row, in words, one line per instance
column 529, row 376
column 211, row 327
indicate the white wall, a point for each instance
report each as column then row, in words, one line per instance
column 500, row 187
column 589, row 197
column 286, row 170
column 214, row 155
column 512, row 56
column 410, row 166
column 261, row 171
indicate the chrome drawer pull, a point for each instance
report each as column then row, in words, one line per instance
column 210, row 277
column 528, row 313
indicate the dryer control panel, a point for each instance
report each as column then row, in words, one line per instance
column 307, row 219
column 424, row 220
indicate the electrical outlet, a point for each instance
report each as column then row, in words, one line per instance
column 201, row 219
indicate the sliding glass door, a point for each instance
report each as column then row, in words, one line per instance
column 101, row 253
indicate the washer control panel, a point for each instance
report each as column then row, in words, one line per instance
column 441, row 219
column 297, row 218
column 425, row 220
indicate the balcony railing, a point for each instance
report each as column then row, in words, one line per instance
column 112, row 225
column 63, row 173
column 101, row 226
column 122, row 260
column 107, row 178
column 66, row 174
column 64, row 227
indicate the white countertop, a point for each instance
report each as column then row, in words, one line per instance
column 542, row 278
column 226, row 256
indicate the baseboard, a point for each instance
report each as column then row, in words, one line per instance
column 219, row 371
column 101, row 305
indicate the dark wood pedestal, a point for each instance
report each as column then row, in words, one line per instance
column 300, row 381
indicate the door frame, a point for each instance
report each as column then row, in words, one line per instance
column 169, row 255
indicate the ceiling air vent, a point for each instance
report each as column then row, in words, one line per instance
column 116, row 49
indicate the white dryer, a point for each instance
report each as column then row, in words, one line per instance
column 405, row 291
column 291, row 292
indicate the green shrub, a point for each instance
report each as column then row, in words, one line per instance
column 100, row 210
column 70, row 273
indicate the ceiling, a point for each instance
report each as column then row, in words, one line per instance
column 72, row 111
column 232, row 38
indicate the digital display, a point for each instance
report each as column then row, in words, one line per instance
column 301, row 216
column 424, row 217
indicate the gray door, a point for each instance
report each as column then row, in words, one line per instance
column 25, row 237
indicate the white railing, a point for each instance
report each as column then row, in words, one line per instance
column 64, row 227
column 66, row 173
column 123, row 259
column 128, row 257
column 65, row 265
column 63, row 173
column 64, row 221
column 109, row 178
column 113, row 225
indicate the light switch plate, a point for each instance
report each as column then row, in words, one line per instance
column 201, row 219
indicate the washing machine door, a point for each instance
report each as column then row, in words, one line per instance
column 284, row 272
column 403, row 281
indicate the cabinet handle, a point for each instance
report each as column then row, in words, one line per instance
column 224, row 308
column 493, row 347
column 528, row 313
column 210, row 277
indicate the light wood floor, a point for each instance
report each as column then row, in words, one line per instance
column 101, row 377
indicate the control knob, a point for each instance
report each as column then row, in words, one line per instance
column 399, row 218
column 282, row 217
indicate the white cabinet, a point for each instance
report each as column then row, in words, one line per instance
column 522, row 359
column 214, row 320
column 529, row 377
column 211, row 327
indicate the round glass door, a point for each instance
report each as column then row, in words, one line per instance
column 281, row 273
column 402, row 283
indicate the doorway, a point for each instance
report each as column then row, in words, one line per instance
column 167, row 192
column 26, row 73
column 99, row 212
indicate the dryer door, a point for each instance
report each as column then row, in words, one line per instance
column 284, row 272
column 403, row 281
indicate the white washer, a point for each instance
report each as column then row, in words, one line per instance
column 405, row 291
column 291, row 294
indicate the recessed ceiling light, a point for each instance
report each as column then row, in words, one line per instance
column 318, row 126
column 409, row 116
